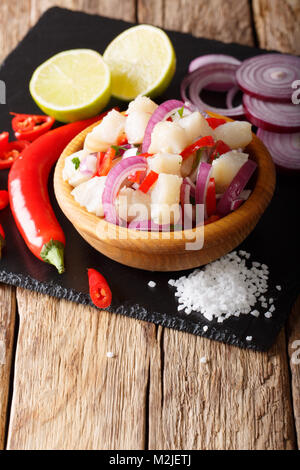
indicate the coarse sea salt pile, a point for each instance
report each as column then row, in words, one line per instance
column 230, row 286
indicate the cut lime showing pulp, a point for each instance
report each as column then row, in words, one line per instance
column 142, row 61
column 72, row 85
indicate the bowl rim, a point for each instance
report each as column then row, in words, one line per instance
column 252, row 208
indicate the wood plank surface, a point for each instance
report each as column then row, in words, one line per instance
column 278, row 24
column 294, row 354
column 67, row 393
column 7, row 323
column 228, row 21
column 155, row 393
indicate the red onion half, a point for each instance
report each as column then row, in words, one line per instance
column 161, row 113
column 195, row 82
column 113, row 183
column 235, row 188
column 204, row 60
column 269, row 76
column 284, row 148
column 272, row 117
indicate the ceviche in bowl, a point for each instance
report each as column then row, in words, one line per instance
column 169, row 172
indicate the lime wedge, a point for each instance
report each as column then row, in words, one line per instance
column 72, row 85
column 142, row 61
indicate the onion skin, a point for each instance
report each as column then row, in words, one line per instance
column 283, row 149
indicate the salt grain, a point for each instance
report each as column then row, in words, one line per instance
column 268, row 314
column 227, row 287
column 278, row 288
column 249, row 338
column 205, row 328
column 151, row 284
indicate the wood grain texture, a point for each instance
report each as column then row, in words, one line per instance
column 277, row 24
column 75, row 397
column 67, row 393
column 228, row 21
column 21, row 15
column 7, row 323
column 237, row 400
column 294, row 354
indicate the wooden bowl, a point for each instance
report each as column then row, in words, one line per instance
column 167, row 251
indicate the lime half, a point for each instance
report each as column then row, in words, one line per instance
column 72, row 85
column 142, row 61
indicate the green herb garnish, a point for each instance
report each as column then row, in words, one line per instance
column 181, row 111
column 76, row 162
column 118, row 149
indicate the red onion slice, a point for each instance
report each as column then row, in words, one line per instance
column 193, row 84
column 242, row 198
column 162, row 112
column 204, row 174
column 230, row 96
column 269, row 76
column 236, row 187
column 88, row 164
column 204, row 60
column 284, row 148
column 272, row 117
column 113, row 183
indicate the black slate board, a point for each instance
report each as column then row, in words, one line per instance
column 274, row 241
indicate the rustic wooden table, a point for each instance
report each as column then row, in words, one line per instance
column 58, row 388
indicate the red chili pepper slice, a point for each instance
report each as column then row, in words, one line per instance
column 28, row 193
column 4, row 138
column 207, row 141
column 100, row 292
column 12, row 152
column 122, row 140
column 219, row 150
column 148, row 181
column 211, row 200
column 30, row 126
column 4, row 199
column 215, row 122
column 2, row 239
column 106, row 164
column 100, row 156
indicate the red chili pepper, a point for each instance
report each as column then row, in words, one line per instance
column 122, row 140
column 3, row 199
column 211, row 200
column 4, row 138
column 211, row 219
column 136, row 177
column 100, row 292
column 215, row 122
column 28, row 194
column 148, row 181
column 12, row 152
column 207, row 141
column 100, row 156
column 220, row 149
column 30, row 126
column 106, row 164
column 2, row 239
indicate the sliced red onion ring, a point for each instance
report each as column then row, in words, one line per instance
column 236, row 187
column 162, row 112
column 272, row 117
column 204, row 174
column 113, row 183
column 230, row 96
column 242, row 198
column 88, row 164
column 204, row 60
column 269, row 76
column 284, row 148
column 189, row 182
column 199, row 79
